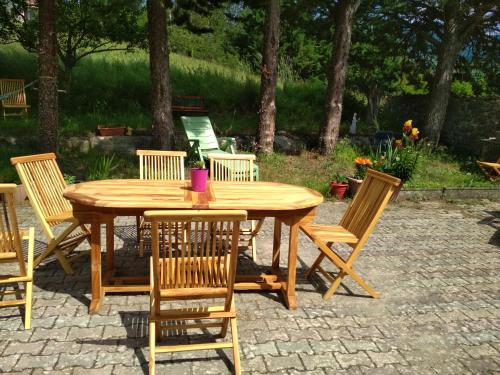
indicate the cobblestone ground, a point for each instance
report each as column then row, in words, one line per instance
column 436, row 265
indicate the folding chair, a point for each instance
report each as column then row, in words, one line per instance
column 237, row 167
column 157, row 165
column 491, row 170
column 198, row 266
column 354, row 229
column 11, row 252
column 44, row 184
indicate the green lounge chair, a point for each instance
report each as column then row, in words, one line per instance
column 202, row 140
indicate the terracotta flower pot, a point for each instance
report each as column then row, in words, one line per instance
column 395, row 193
column 338, row 189
column 354, row 185
column 104, row 130
column 199, row 178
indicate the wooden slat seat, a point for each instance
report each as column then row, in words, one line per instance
column 11, row 252
column 44, row 184
column 357, row 224
column 201, row 268
column 330, row 233
column 15, row 101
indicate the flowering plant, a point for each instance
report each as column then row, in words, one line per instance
column 400, row 158
column 362, row 164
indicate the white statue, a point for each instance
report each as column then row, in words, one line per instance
column 354, row 122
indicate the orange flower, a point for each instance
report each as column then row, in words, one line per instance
column 362, row 161
column 407, row 126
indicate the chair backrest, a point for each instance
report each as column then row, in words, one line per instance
column 13, row 85
column 200, row 128
column 231, row 167
column 369, row 203
column 161, row 165
column 203, row 257
column 10, row 241
column 44, row 185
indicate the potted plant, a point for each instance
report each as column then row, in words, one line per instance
column 362, row 164
column 400, row 158
column 199, row 176
column 108, row 131
column 338, row 186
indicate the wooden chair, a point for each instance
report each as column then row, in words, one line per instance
column 491, row 170
column 200, row 265
column 17, row 100
column 11, row 252
column 237, row 168
column 157, row 165
column 354, row 229
column 44, row 185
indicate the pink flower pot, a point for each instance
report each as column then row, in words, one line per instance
column 199, row 178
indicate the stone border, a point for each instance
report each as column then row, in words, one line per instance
column 451, row 193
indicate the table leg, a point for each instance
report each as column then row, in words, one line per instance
column 289, row 291
column 110, row 244
column 276, row 245
column 95, row 260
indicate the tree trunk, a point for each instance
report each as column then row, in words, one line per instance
column 268, row 78
column 336, row 75
column 47, row 77
column 441, row 86
column 161, row 100
column 374, row 98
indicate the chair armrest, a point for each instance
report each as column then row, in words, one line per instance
column 227, row 142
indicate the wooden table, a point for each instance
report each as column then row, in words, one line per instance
column 99, row 202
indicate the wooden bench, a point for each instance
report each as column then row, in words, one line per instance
column 16, row 101
column 189, row 104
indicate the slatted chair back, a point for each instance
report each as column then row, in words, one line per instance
column 368, row 204
column 10, row 241
column 44, row 184
column 17, row 100
column 11, row 252
column 199, row 264
column 200, row 128
column 238, row 167
column 161, row 165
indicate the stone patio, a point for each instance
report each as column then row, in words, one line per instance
column 437, row 266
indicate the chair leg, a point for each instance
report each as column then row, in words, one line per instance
column 236, row 347
column 64, row 262
column 223, row 331
column 335, row 285
column 152, row 347
column 253, row 241
column 28, row 287
column 315, row 265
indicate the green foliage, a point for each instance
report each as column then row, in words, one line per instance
column 101, row 167
column 200, row 164
column 462, row 88
column 69, row 179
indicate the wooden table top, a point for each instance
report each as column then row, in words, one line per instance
column 148, row 194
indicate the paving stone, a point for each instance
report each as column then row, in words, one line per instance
column 353, row 359
column 316, row 361
column 290, row 347
column 28, row 361
column 381, row 359
column 439, row 310
column 86, row 360
column 281, row 363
